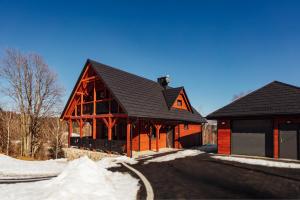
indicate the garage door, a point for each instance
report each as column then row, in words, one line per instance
column 252, row 137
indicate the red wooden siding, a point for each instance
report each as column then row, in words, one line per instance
column 276, row 139
column 142, row 141
column 135, row 138
column 224, row 136
column 189, row 137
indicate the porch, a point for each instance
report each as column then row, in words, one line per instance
column 101, row 145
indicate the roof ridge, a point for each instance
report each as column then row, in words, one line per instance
column 115, row 68
column 286, row 84
column 171, row 88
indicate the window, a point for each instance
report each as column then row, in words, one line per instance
column 186, row 126
column 179, row 103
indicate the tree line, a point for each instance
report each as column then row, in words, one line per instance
column 30, row 107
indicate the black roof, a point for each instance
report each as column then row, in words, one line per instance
column 275, row 98
column 140, row 97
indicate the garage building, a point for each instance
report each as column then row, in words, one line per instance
column 265, row 122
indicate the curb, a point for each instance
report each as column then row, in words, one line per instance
column 149, row 190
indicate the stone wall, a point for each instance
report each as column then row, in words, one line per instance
column 73, row 153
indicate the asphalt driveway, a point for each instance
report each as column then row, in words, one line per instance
column 204, row 177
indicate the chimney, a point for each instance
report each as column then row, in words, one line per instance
column 164, row 81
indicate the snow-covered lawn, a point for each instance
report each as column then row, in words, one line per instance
column 252, row 161
column 173, row 156
column 81, row 179
column 11, row 167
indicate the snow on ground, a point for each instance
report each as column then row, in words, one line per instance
column 252, row 161
column 81, row 179
column 173, row 156
column 150, row 154
column 109, row 162
column 11, row 167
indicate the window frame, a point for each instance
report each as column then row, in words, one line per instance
column 179, row 102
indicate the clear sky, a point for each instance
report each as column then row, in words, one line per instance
column 215, row 48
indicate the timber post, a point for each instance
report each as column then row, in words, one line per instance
column 128, row 140
column 157, row 128
column 70, row 132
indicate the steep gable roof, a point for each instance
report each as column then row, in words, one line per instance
column 275, row 98
column 140, row 97
column 171, row 94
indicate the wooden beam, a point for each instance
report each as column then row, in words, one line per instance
column 70, row 132
column 94, row 128
column 100, row 100
column 114, row 122
column 76, row 110
column 80, row 128
column 157, row 128
column 105, row 122
column 128, row 140
column 109, row 128
column 92, row 78
column 100, row 116
column 81, row 105
column 95, row 98
column 77, row 87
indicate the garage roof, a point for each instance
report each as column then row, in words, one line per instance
column 275, row 98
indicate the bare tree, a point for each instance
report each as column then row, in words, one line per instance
column 240, row 95
column 34, row 89
column 8, row 130
column 57, row 136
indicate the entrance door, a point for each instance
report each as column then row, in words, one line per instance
column 288, row 141
column 170, row 138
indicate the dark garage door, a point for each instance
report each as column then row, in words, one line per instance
column 252, row 137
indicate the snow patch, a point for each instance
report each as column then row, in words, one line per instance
column 108, row 162
column 173, row 156
column 81, row 179
column 261, row 162
column 11, row 167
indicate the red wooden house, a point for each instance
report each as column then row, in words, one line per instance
column 129, row 113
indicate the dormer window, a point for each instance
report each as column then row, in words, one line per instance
column 179, row 103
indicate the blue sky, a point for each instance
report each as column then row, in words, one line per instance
column 215, row 48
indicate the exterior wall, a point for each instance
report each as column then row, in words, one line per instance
column 189, row 137
column 135, row 138
column 224, row 134
column 141, row 140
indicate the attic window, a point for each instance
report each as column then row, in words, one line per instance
column 179, row 103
